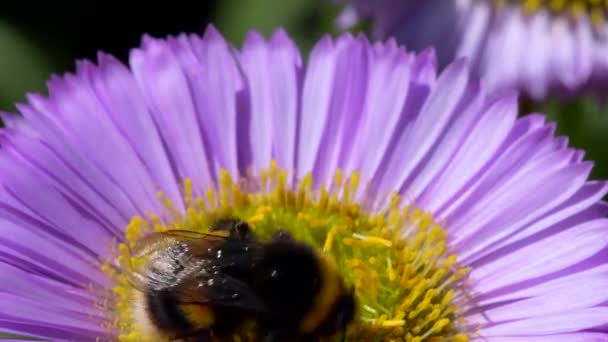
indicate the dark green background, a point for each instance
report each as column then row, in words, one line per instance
column 38, row 39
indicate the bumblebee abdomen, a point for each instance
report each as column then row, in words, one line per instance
column 165, row 311
column 169, row 316
column 199, row 316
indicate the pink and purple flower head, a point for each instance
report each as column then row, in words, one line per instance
column 453, row 219
column 537, row 47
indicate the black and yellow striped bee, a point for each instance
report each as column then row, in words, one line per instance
column 204, row 287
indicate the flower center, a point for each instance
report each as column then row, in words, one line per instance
column 408, row 285
column 596, row 10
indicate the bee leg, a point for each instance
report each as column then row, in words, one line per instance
column 236, row 228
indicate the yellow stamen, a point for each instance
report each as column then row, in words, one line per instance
column 393, row 323
column 405, row 278
column 329, row 239
column 373, row 240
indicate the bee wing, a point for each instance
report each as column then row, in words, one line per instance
column 161, row 240
column 220, row 290
column 158, row 245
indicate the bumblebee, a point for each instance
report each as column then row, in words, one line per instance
column 205, row 286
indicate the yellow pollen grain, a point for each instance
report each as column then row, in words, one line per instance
column 338, row 177
column 390, row 270
column 256, row 218
column 373, row 240
column 393, row 323
column 202, row 207
column 263, row 179
column 166, row 202
column 225, row 183
column 188, row 193
column 597, row 16
column 304, row 189
column 329, row 239
column 323, row 202
column 557, row 5
column 461, row 338
column 211, row 199
column 406, row 279
column 576, row 8
column 259, row 215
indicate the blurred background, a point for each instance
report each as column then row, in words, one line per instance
column 37, row 42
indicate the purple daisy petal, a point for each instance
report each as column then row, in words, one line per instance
column 171, row 103
column 570, row 247
column 256, row 69
column 271, row 72
column 578, row 292
column 553, row 324
column 70, row 316
column 347, row 103
column 515, row 200
column 116, row 88
column 423, row 126
column 580, row 337
column 540, row 49
column 315, row 100
column 286, row 68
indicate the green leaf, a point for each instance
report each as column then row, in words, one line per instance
column 23, row 66
column 585, row 122
column 305, row 20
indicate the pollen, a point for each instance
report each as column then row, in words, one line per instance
column 408, row 283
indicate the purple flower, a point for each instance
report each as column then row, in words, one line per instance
column 538, row 47
column 496, row 235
